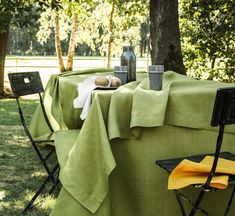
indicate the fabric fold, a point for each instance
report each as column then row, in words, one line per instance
column 149, row 106
column 134, row 106
column 92, row 155
column 119, row 116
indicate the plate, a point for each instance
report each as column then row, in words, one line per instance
column 105, row 88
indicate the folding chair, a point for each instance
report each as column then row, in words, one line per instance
column 223, row 114
column 28, row 83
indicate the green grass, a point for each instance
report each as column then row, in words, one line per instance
column 21, row 172
column 9, row 112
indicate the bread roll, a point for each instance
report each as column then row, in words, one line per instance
column 101, row 81
column 115, row 82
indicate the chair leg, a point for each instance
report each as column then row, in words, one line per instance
column 178, row 197
column 181, row 196
column 57, row 183
column 43, row 160
column 229, row 202
column 36, row 195
column 55, row 186
column 197, row 203
column 49, row 177
column 51, row 173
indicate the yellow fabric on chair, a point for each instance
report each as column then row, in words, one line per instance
column 189, row 172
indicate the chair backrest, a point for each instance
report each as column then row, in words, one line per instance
column 223, row 114
column 27, row 83
column 224, row 107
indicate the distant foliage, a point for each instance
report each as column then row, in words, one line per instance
column 93, row 30
column 207, row 31
column 208, row 38
column 130, row 18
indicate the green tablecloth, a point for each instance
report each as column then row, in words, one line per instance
column 59, row 94
column 110, row 169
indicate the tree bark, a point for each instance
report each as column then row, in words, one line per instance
column 165, row 35
column 3, row 50
column 58, row 43
column 211, row 76
column 110, row 41
column 72, row 42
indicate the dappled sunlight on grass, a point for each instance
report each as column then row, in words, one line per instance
column 2, row 194
column 38, row 174
column 21, row 171
column 16, row 207
column 20, row 176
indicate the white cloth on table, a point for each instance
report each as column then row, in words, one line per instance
column 84, row 94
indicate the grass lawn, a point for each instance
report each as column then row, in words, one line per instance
column 21, row 172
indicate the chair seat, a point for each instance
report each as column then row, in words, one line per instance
column 170, row 164
column 223, row 115
column 46, row 139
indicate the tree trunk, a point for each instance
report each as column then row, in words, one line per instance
column 165, row 35
column 213, row 62
column 58, row 43
column 3, row 51
column 72, row 42
column 110, row 42
column 211, row 76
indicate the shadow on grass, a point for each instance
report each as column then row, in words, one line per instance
column 21, row 171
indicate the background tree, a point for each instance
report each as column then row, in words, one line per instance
column 72, row 42
column 8, row 11
column 106, row 36
column 68, row 19
column 132, row 10
column 209, row 38
column 73, row 10
column 5, row 19
column 165, row 35
column 145, row 38
column 57, row 41
column 17, row 13
column 23, row 41
column 207, row 32
column 110, row 31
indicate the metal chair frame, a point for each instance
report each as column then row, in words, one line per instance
column 223, row 114
column 28, row 83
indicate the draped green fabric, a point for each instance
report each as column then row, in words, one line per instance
column 109, row 167
column 59, row 94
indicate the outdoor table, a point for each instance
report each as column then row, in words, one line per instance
column 109, row 169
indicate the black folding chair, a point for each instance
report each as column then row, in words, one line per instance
column 28, row 83
column 223, row 114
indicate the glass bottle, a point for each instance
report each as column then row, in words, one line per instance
column 128, row 59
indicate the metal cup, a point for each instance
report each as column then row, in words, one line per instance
column 155, row 77
column 121, row 73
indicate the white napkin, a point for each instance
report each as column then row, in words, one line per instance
column 84, row 94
